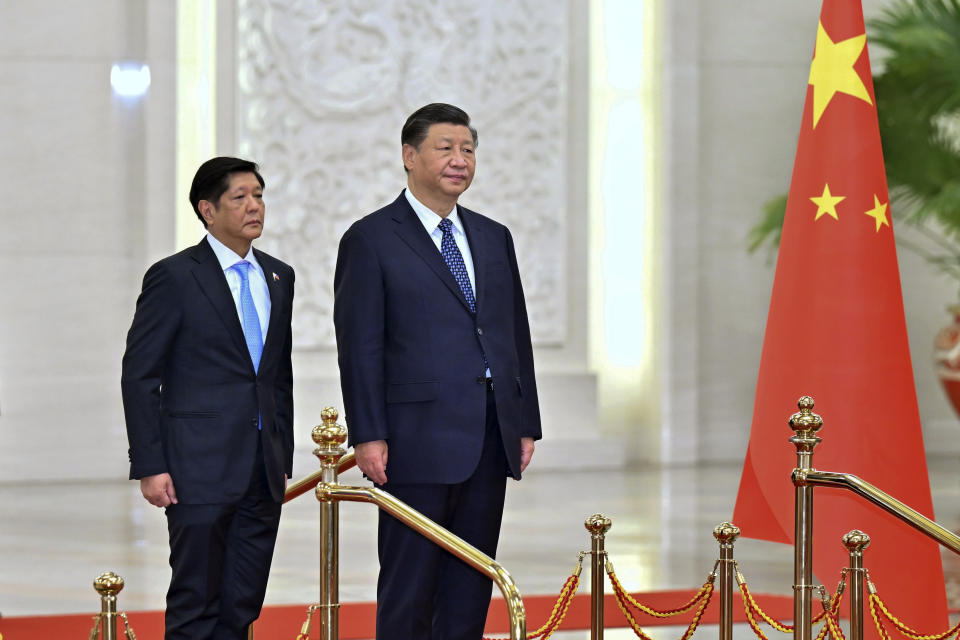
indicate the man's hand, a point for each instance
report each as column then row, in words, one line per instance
column 158, row 490
column 371, row 457
column 526, row 452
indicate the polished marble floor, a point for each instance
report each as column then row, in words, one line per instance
column 55, row 538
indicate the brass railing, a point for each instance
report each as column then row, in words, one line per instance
column 310, row 482
column 885, row 501
column 805, row 424
column 330, row 439
column 108, row 585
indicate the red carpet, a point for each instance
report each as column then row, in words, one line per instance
column 357, row 618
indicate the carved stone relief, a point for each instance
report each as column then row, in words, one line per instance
column 325, row 86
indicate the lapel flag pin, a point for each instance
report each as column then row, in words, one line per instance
column 276, row 278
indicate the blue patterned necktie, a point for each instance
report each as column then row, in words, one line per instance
column 454, row 259
column 248, row 311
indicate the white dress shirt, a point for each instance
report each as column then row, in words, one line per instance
column 258, row 282
column 431, row 222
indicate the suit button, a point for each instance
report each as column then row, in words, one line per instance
column 481, row 380
column 479, row 331
column 254, row 422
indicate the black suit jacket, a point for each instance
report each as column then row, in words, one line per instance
column 190, row 394
column 411, row 365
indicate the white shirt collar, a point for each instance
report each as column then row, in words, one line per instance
column 227, row 257
column 429, row 218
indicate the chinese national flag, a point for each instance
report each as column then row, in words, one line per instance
column 836, row 332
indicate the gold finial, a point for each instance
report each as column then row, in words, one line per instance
column 726, row 533
column 328, row 434
column 856, row 540
column 108, row 584
column 805, row 421
column 598, row 524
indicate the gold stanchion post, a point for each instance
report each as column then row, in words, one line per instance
column 597, row 525
column 330, row 438
column 855, row 542
column 805, row 424
column 108, row 585
column 726, row 535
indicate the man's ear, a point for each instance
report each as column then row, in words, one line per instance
column 206, row 210
column 408, row 152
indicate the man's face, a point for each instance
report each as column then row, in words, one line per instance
column 443, row 167
column 237, row 217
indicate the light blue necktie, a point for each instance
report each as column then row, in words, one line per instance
column 248, row 311
column 251, row 321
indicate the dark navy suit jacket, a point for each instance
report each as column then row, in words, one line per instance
column 411, row 351
column 190, row 394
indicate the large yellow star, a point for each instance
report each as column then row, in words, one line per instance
column 827, row 203
column 878, row 213
column 832, row 71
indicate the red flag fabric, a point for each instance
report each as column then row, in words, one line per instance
column 836, row 331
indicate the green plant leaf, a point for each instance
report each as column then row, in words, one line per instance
column 768, row 230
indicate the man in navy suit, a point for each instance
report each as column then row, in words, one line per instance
column 436, row 367
column 208, row 396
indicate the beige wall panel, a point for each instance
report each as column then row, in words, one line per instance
column 88, row 180
column 757, row 33
column 61, row 150
column 92, row 29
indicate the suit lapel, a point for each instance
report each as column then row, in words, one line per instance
column 214, row 285
column 476, row 238
column 411, row 231
column 277, row 301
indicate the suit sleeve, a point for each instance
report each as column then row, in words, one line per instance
column 358, row 316
column 151, row 335
column 530, row 427
column 284, row 389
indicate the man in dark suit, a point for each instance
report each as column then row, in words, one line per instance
column 436, row 367
column 208, row 397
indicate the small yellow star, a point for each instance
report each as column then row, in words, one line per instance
column 827, row 203
column 832, row 71
column 878, row 213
